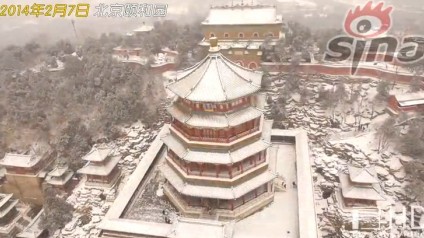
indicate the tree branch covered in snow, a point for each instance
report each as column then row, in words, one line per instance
column 57, row 212
column 91, row 96
column 385, row 133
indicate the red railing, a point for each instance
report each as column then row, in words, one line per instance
column 221, row 171
column 215, row 139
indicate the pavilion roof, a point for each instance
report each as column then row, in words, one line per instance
column 191, row 189
column 58, row 171
column 100, row 170
column 20, row 160
column 98, row 153
column 215, row 79
column 358, row 191
column 243, row 15
column 362, row 175
column 63, row 179
column 213, row 120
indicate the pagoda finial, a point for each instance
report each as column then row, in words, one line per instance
column 213, row 41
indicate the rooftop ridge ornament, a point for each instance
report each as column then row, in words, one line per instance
column 213, row 41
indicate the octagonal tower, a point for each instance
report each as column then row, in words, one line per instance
column 217, row 162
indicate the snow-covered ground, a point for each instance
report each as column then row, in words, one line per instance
column 94, row 202
column 282, row 214
column 333, row 148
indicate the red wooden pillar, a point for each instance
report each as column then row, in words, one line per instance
column 217, row 170
column 230, row 170
column 201, row 169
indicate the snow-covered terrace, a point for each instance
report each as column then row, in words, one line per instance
column 292, row 210
column 305, row 189
column 114, row 221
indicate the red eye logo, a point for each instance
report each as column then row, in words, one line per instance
column 368, row 22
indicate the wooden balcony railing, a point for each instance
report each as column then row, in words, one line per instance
column 216, row 139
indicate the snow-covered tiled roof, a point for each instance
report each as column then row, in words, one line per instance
column 410, row 99
column 20, row 160
column 33, row 230
column 214, row 120
column 217, row 192
column 144, row 28
column 58, row 171
column 215, row 79
column 4, row 198
column 98, row 153
column 59, row 179
column 7, row 203
column 355, row 191
column 96, row 169
column 243, row 15
column 215, row 157
column 362, row 175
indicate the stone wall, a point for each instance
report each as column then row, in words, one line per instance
column 340, row 70
column 246, row 58
column 248, row 31
column 26, row 188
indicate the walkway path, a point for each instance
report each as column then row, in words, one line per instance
column 282, row 214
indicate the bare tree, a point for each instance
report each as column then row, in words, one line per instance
column 57, row 212
column 416, row 84
column 383, row 89
column 396, row 77
column 415, row 172
column 385, row 133
column 412, row 143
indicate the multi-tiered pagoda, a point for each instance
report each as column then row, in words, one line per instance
column 217, row 165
